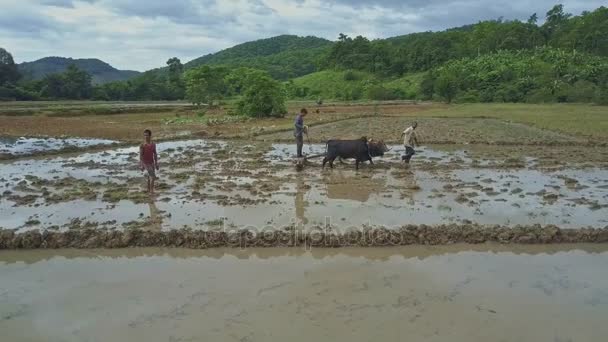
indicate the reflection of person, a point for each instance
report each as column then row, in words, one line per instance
column 156, row 219
column 300, row 202
column 299, row 131
column 148, row 159
column 410, row 140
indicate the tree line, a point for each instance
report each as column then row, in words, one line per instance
column 424, row 51
column 563, row 60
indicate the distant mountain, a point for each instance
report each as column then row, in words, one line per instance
column 101, row 71
column 284, row 57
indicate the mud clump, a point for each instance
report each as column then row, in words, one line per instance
column 320, row 237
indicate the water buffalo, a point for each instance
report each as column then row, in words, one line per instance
column 346, row 149
column 377, row 148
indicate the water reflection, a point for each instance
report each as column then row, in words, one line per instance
column 368, row 253
column 156, row 217
column 300, row 202
column 348, row 185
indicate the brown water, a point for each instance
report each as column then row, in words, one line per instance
column 457, row 293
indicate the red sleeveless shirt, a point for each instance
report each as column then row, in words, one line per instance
column 148, row 151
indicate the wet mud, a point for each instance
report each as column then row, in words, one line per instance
column 292, row 237
column 205, row 186
column 14, row 148
column 245, row 185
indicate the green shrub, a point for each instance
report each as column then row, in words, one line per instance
column 541, row 95
column 10, row 93
column 540, row 75
column 380, row 93
column 471, row 96
column 263, row 97
column 350, row 76
column 581, row 91
column 486, row 95
column 508, row 93
column 601, row 96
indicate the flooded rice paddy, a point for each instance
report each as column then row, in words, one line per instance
column 520, row 188
column 26, row 146
column 455, row 293
column 210, row 185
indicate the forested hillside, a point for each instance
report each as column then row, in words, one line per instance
column 100, row 71
column 564, row 59
column 423, row 51
column 283, row 56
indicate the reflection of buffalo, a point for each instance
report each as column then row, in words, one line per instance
column 354, row 188
column 361, row 150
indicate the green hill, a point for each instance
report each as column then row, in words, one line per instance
column 408, row 85
column 100, row 71
column 331, row 84
column 424, row 51
column 283, row 56
column 354, row 85
column 539, row 75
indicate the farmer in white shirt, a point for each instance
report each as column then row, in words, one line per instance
column 409, row 141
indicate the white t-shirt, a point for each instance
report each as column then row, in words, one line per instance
column 408, row 137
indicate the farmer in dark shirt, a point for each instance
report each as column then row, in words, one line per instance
column 300, row 129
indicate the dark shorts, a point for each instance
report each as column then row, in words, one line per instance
column 150, row 170
column 409, row 152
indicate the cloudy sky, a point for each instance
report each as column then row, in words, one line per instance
column 141, row 35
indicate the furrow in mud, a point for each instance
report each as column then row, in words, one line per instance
column 290, row 237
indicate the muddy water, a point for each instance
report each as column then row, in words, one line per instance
column 204, row 184
column 457, row 293
column 25, row 146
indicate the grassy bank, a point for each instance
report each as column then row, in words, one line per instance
column 81, row 108
column 575, row 119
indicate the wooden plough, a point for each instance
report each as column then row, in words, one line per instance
column 300, row 162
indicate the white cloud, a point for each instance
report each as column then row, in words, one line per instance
column 141, row 35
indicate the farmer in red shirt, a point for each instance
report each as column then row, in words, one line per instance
column 148, row 159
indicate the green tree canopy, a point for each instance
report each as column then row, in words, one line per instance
column 262, row 97
column 73, row 84
column 8, row 69
column 205, row 85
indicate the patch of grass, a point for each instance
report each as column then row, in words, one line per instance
column 330, row 84
column 573, row 119
column 353, row 85
column 83, row 108
column 408, row 84
column 215, row 223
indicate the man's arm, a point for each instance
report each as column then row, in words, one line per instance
column 155, row 157
column 141, row 157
